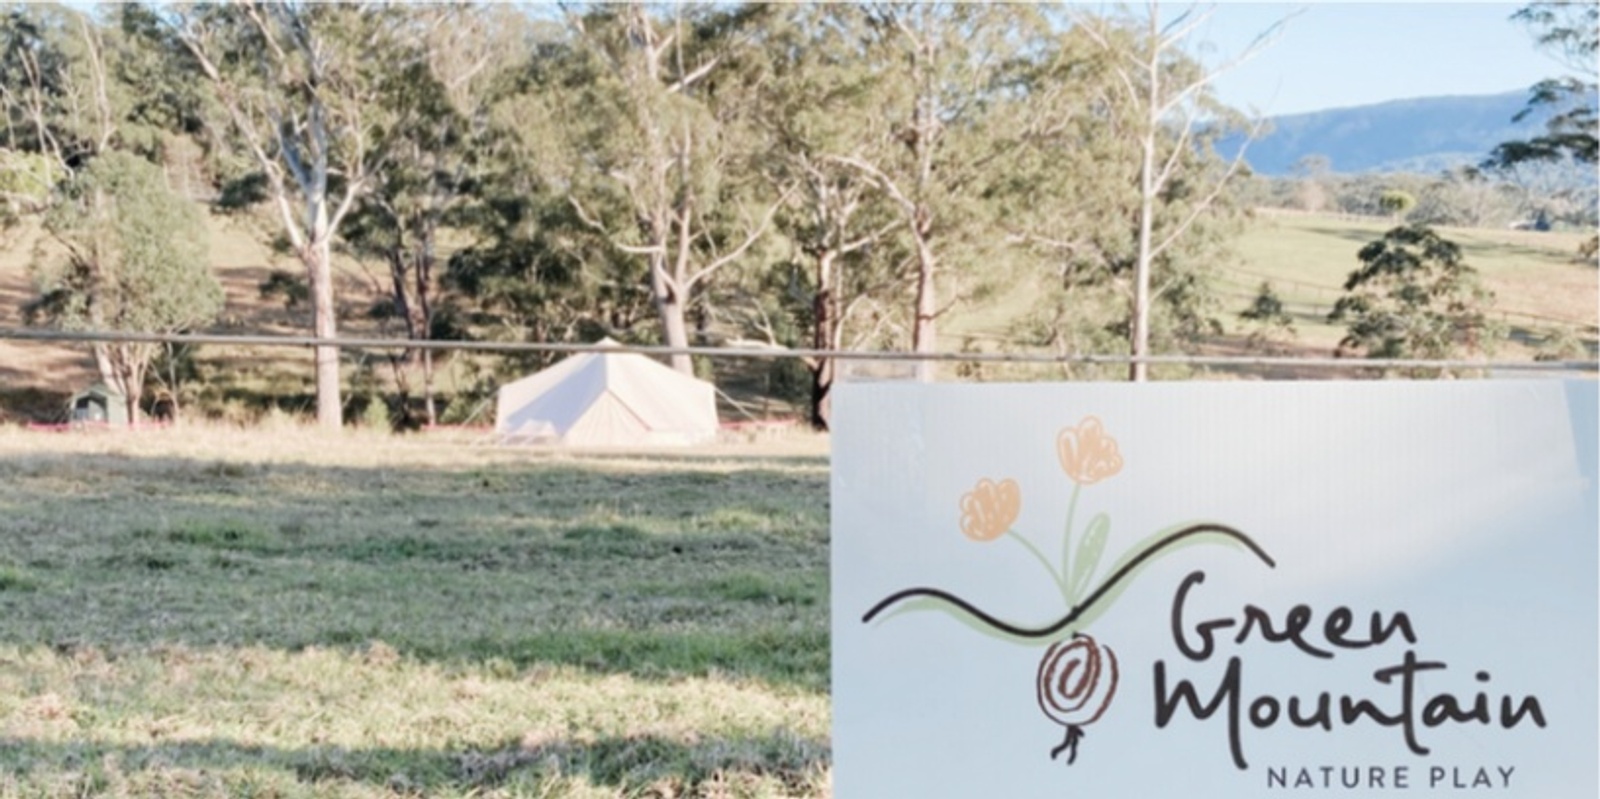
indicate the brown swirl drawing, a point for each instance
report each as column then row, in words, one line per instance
column 1077, row 679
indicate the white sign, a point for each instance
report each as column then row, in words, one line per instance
column 1216, row 590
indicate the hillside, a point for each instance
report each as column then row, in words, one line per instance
column 35, row 377
column 1419, row 135
column 241, row 382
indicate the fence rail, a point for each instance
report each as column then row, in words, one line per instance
column 775, row 352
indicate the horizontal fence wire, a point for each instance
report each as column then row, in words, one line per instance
column 778, row 352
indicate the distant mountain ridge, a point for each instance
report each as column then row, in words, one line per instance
column 1426, row 134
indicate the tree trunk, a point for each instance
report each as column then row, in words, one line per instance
column 669, row 310
column 102, row 359
column 128, row 377
column 924, row 336
column 822, row 338
column 319, row 259
column 423, row 308
column 134, row 396
column 428, row 405
column 172, row 382
column 1138, row 370
column 674, row 331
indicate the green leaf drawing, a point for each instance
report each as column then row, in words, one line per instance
column 1084, row 561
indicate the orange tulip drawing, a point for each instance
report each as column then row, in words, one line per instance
column 1077, row 678
column 989, row 510
column 1087, row 454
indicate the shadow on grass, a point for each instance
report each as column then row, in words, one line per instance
column 30, row 403
column 632, row 764
column 690, row 459
column 1547, row 252
column 611, row 567
column 1348, row 234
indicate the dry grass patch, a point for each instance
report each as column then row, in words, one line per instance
column 1537, row 282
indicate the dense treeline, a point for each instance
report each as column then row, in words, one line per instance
column 813, row 175
column 830, row 176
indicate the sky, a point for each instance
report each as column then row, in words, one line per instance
column 1340, row 54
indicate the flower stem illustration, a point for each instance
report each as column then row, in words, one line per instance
column 1077, row 677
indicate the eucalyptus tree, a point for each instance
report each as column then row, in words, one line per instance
column 1571, row 32
column 1466, row 197
column 165, row 106
column 1173, row 113
column 301, row 87
column 439, row 109
column 652, row 163
column 936, row 149
column 75, row 84
column 816, row 98
column 54, row 88
column 135, row 260
column 25, row 182
column 78, row 82
column 531, row 268
column 1077, row 202
column 1067, row 207
column 1414, row 297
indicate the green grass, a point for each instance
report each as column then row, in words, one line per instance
column 261, row 615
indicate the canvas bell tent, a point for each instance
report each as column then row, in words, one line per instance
column 607, row 399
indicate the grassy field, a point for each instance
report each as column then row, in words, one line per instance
column 1539, row 287
column 227, row 613
column 1537, row 284
column 210, row 611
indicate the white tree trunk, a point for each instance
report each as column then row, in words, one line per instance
column 924, row 330
column 674, row 329
column 1138, row 370
column 319, row 268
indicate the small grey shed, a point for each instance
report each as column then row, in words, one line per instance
column 99, row 404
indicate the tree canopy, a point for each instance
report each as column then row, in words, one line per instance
column 1569, row 30
column 136, row 261
column 1414, row 297
column 832, row 176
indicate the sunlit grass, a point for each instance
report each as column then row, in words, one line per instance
column 221, row 613
column 1535, row 277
